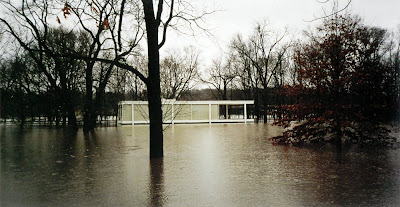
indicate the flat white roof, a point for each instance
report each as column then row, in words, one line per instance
column 171, row 101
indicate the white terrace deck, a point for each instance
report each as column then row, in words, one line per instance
column 136, row 112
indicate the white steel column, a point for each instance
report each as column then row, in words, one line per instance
column 133, row 114
column 209, row 113
column 119, row 118
column 245, row 113
column 172, row 113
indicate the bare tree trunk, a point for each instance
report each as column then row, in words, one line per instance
column 256, row 105
column 64, row 118
column 153, row 83
column 265, row 104
column 89, row 119
column 70, row 108
column 57, row 118
column 1, row 105
column 225, row 94
column 155, row 115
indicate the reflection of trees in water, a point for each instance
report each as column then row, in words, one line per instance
column 52, row 164
column 87, row 158
column 352, row 176
column 36, row 157
column 242, row 159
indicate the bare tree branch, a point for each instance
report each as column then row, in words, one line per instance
column 333, row 13
column 166, row 24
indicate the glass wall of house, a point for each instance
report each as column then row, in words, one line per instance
column 215, row 113
column 235, row 111
column 126, row 112
column 141, row 112
column 250, row 111
column 200, row 112
column 136, row 112
column 232, row 111
column 183, row 112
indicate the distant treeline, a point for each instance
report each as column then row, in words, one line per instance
column 64, row 84
column 25, row 108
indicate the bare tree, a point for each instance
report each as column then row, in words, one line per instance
column 179, row 72
column 110, row 42
column 124, row 82
column 30, row 20
column 263, row 55
column 336, row 8
column 118, row 27
column 221, row 75
column 27, row 22
column 393, row 62
column 155, row 19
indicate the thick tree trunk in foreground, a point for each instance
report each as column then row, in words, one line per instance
column 153, row 82
column 155, row 115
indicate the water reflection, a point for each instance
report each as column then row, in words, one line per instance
column 204, row 165
column 354, row 177
column 156, row 187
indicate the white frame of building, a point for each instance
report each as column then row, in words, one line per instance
column 171, row 103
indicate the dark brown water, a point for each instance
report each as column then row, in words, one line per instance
column 204, row 165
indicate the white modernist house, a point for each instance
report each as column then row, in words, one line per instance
column 136, row 112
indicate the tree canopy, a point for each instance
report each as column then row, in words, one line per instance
column 341, row 89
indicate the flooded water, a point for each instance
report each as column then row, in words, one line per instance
column 204, row 165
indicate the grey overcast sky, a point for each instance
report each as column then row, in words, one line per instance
column 240, row 16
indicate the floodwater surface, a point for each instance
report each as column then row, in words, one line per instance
column 204, row 165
